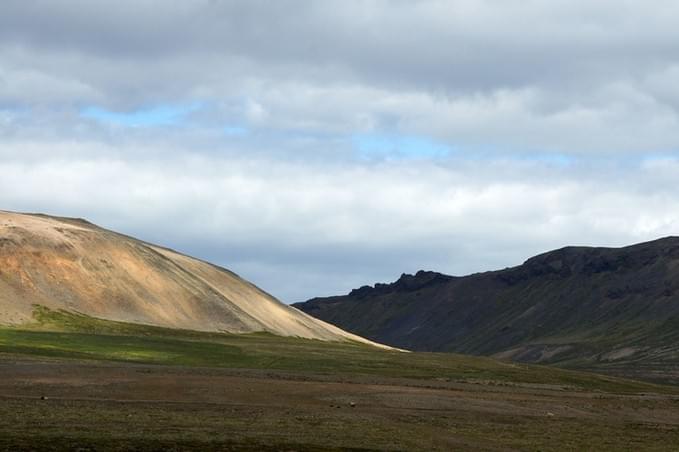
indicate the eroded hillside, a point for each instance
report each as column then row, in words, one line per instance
column 73, row 265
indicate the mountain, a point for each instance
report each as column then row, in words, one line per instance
column 610, row 309
column 75, row 266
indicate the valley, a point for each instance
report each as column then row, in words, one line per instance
column 73, row 382
column 109, row 343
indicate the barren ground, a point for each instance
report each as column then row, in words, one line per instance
column 121, row 406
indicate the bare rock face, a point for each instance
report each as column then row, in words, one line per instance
column 71, row 264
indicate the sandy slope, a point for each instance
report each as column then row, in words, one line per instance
column 74, row 265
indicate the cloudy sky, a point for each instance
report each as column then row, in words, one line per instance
column 316, row 146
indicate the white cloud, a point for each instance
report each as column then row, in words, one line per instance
column 561, row 118
column 343, row 224
column 557, row 76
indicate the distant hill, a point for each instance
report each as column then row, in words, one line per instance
column 605, row 309
column 72, row 265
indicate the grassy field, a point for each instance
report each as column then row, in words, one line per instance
column 80, row 337
column 70, row 382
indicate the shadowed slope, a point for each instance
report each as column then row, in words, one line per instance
column 612, row 309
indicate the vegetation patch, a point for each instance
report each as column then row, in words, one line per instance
column 64, row 335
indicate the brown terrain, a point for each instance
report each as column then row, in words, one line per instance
column 81, row 406
column 73, row 265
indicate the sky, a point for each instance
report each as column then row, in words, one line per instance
column 317, row 146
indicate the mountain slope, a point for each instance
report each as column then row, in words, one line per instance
column 581, row 307
column 73, row 265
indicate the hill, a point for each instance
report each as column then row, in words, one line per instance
column 74, row 266
column 605, row 309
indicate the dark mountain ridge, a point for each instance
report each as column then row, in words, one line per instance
column 611, row 309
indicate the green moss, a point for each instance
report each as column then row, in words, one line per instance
column 76, row 336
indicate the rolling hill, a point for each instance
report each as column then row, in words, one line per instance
column 604, row 309
column 71, row 265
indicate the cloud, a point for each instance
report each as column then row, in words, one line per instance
column 507, row 75
column 315, row 146
column 304, row 229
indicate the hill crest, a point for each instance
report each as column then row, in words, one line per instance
column 581, row 307
column 73, row 265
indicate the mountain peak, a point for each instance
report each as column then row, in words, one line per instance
column 405, row 283
column 591, row 260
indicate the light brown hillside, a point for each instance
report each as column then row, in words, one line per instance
column 74, row 265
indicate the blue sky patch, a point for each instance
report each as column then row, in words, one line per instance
column 162, row 115
column 236, row 131
column 395, row 145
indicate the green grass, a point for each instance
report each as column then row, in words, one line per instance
column 64, row 335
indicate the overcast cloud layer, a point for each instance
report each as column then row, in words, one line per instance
column 315, row 146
